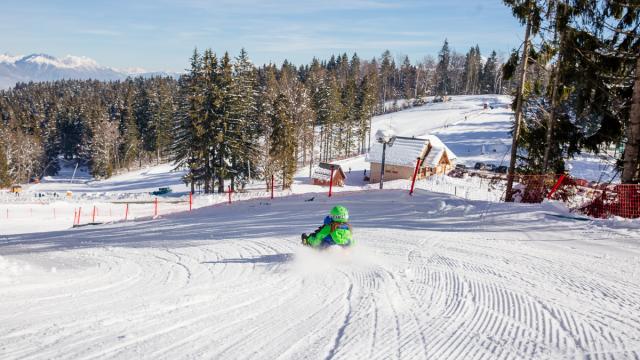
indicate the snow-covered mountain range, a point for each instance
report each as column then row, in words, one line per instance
column 43, row 67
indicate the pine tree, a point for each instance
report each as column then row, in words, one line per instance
column 489, row 75
column 246, row 129
column 529, row 14
column 185, row 147
column 443, row 83
column 283, row 141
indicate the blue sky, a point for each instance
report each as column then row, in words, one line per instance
column 161, row 34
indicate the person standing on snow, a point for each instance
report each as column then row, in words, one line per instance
column 335, row 231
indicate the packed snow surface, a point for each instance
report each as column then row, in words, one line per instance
column 431, row 277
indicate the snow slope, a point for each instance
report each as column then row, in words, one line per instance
column 432, row 276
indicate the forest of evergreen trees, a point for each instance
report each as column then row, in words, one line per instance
column 225, row 120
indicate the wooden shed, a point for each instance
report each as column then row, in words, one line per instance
column 400, row 159
column 322, row 175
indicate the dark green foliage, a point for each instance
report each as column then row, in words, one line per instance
column 283, row 142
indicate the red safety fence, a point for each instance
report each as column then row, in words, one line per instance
column 594, row 200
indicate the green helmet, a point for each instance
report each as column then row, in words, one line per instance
column 339, row 214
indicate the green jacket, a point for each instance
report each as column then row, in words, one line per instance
column 332, row 234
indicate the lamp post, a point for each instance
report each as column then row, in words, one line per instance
column 385, row 138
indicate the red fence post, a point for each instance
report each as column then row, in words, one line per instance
column 126, row 211
column 75, row 215
column 190, row 200
column 79, row 213
column 331, row 181
column 415, row 174
column 556, row 186
column 93, row 214
column 272, row 181
column 155, row 207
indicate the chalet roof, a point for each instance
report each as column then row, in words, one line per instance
column 323, row 171
column 438, row 148
column 406, row 150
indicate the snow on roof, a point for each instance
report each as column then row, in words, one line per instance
column 404, row 152
column 438, row 148
column 323, row 172
column 434, row 156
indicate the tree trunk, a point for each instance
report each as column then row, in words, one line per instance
column 631, row 169
column 518, row 114
column 554, row 96
column 220, row 184
column 552, row 120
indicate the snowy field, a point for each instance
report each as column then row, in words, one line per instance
column 432, row 276
column 449, row 273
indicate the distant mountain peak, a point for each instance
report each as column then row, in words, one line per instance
column 40, row 67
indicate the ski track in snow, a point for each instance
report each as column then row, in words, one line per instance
column 470, row 280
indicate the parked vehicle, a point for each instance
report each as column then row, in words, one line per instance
column 161, row 191
column 479, row 166
column 502, row 169
column 490, row 167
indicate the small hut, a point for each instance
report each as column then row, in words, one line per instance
column 322, row 175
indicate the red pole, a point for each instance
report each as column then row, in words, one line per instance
column 75, row 215
column 556, row 186
column 126, row 212
column 272, row 181
column 79, row 212
column 155, row 207
column 415, row 175
column 190, row 200
column 331, row 181
column 93, row 216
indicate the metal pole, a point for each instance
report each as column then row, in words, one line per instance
column 74, row 172
column 384, row 149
